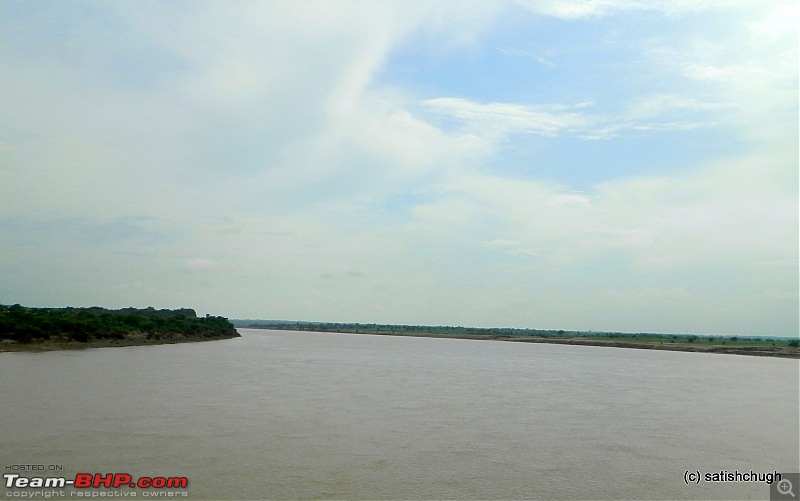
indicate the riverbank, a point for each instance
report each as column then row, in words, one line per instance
column 137, row 339
column 685, row 343
column 759, row 351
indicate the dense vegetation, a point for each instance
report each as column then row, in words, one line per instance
column 26, row 325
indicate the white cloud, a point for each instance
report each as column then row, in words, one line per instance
column 581, row 9
column 752, row 75
column 495, row 119
column 492, row 122
column 776, row 23
column 628, row 245
column 659, row 104
column 734, row 212
column 256, row 138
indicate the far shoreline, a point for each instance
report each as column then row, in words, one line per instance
column 758, row 351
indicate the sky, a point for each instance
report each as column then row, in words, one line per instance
column 608, row 165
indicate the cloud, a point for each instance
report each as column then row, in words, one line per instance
column 347, row 274
column 709, row 231
column 726, row 213
column 582, row 9
column 201, row 264
column 660, row 104
column 494, row 121
column 121, row 231
column 241, row 90
column 254, row 159
column 491, row 119
column 512, row 52
column 751, row 76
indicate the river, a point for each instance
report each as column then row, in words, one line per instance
column 304, row 415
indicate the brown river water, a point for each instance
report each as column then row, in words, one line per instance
column 304, row 415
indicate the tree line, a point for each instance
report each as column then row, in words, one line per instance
column 25, row 325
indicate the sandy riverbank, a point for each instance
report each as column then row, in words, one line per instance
column 759, row 351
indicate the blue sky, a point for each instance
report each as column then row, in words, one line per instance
column 603, row 165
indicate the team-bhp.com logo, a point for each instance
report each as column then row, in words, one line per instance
column 95, row 480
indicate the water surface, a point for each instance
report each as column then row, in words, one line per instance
column 302, row 415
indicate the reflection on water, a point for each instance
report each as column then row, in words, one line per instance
column 299, row 415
